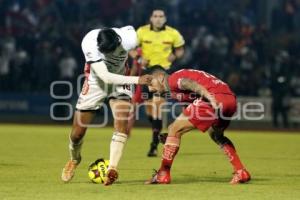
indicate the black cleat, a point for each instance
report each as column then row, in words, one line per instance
column 153, row 148
column 152, row 152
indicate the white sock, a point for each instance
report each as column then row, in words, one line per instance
column 117, row 144
column 75, row 150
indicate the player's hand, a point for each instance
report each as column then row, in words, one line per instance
column 145, row 79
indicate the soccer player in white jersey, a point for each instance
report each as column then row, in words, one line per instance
column 105, row 52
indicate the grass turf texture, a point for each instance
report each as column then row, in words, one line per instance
column 32, row 157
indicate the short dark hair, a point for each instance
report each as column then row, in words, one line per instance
column 157, row 68
column 153, row 69
column 108, row 40
column 160, row 9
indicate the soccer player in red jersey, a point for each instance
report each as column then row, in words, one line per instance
column 211, row 104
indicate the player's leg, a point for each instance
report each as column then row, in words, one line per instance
column 175, row 131
column 216, row 132
column 136, row 99
column 80, row 122
column 153, row 110
column 241, row 175
column 150, row 111
column 217, row 135
column 120, row 110
column 89, row 101
column 198, row 114
column 131, row 119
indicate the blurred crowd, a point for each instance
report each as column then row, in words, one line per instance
column 40, row 40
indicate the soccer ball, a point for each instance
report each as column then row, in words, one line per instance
column 97, row 170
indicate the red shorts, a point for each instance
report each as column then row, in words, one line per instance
column 203, row 116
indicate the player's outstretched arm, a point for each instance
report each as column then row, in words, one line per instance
column 191, row 85
column 102, row 72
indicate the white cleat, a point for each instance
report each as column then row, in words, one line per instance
column 69, row 171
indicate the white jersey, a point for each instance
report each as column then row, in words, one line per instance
column 114, row 61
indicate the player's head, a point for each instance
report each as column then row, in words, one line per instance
column 158, row 19
column 159, row 78
column 108, row 40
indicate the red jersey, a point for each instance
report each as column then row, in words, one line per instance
column 208, row 81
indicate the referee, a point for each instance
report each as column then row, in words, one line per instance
column 160, row 45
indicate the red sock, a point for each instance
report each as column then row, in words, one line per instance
column 170, row 150
column 233, row 157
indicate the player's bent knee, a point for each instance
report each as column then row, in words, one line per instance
column 79, row 130
column 120, row 126
column 170, row 130
column 174, row 130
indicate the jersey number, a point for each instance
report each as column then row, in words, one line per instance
column 126, row 87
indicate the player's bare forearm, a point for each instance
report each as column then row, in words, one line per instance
column 179, row 52
column 191, row 85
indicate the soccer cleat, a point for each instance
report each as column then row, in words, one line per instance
column 69, row 170
column 240, row 176
column 153, row 150
column 152, row 153
column 160, row 177
column 111, row 177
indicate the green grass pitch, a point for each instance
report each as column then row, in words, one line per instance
column 32, row 157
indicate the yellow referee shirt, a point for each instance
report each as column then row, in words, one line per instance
column 158, row 45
